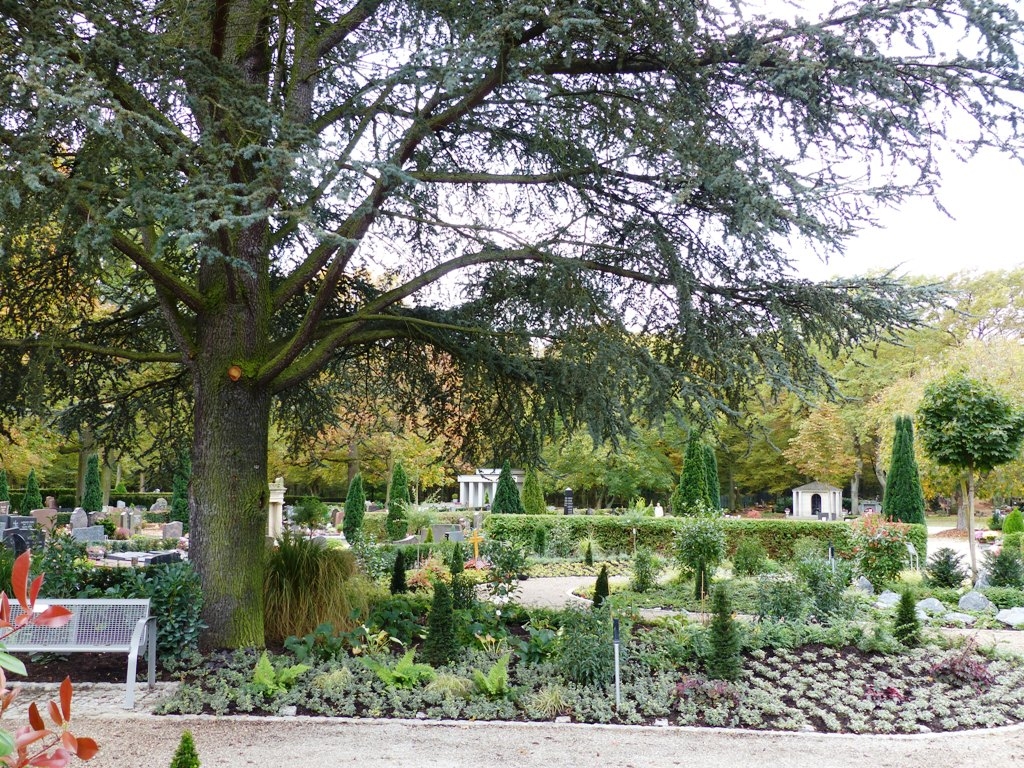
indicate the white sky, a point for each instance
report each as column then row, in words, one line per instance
column 983, row 195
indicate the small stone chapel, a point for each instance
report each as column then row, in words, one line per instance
column 818, row 501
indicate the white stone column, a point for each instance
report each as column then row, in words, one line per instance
column 275, row 524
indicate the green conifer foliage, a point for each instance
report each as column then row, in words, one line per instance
column 906, row 625
column 32, row 498
column 945, row 569
column 92, row 500
column 441, row 645
column 457, row 559
column 724, row 661
column 398, row 585
column 692, row 491
column 1014, row 522
column 588, row 553
column 179, row 497
column 711, row 470
column 601, row 587
column 355, row 509
column 506, row 496
column 186, row 755
column 5, row 489
column 398, row 504
column 904, row 499
column 533, row 496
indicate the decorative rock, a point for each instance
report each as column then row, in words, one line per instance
column 421, row 715
column 1012, row 617
column 975, row 601
column 288, row 711
column 931, row 606
column 982, row 581
column 864, row 585
column 959, row 618
column 563, row 719
column 661, row 722
column 887, row 599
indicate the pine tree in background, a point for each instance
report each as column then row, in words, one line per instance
column 711, row 471
column 5, row 489
column 179, row 491
column 601, row 587
column 398, row 574
column 906, row 625
column 724, row 662
column 945, row 569
column 32, row 498
column 506, row 496
column 355, row 510
column 533, row 496
column 186, row 755
column 903, row 500
column 398, row 504
column 441, row 645
column 92, row 500
column 692, row 490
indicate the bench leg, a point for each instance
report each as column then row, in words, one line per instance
column 152, row 654
column 133, row 663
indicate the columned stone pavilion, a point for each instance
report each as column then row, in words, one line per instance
column 818, row 501
column 478, row 490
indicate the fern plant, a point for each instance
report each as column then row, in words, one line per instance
column 494, row 685
column 406, row 673
column 269, row 681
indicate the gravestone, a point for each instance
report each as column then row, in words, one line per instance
column 337, row 516
column 92, row 534
column 50, row 503
column 443, row 531
column 135, row 520
column 79, row 518
column 160, row 505
column 5, row 507
column 45, row 518
column 478, row 520
column 173, row 530
column 121, row 505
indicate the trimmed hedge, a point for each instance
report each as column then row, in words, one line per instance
column 613, row 534
column 374, row 522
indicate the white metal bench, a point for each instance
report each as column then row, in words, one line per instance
column 96, row 626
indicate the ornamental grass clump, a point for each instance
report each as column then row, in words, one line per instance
column 307, row 584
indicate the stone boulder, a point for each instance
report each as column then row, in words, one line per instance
column 887, row 599
column 1012, row 617
column 864, row 585
column 931, row 606
column 959, row 618
column 975, row 601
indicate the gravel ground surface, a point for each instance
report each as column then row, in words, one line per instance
column 138, row 738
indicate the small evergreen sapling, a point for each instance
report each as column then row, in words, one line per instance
column 398, row 585
column 92, row 501
column 1005, row 569
column 601, row 587
column 724, row 661
column 355, row 510
column 645, row 570
column 186, row 755
column 441, row 644
column 906, row 625
column 32, row 498
column 588, row 553
column 5, row 489
column 945, row 569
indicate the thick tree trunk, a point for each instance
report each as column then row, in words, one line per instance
column 228, row 506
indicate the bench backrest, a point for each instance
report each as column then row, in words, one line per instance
column 96, row 625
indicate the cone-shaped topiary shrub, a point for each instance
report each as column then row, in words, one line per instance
column 92, row 500
column 588, row 554
column 724, row 661
column 601, row 587
column 506, row 495
column 945, row 569
column 533, row 496
column 179, row 496
column 906, row 626
column 32, row 498
column 441, row 644
column 903, row 500
column 397, row 524
column 398, row 574
column 355, row 509
column 5, row 489
column 692, row 491
column 714, row 486
column 186, row 755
